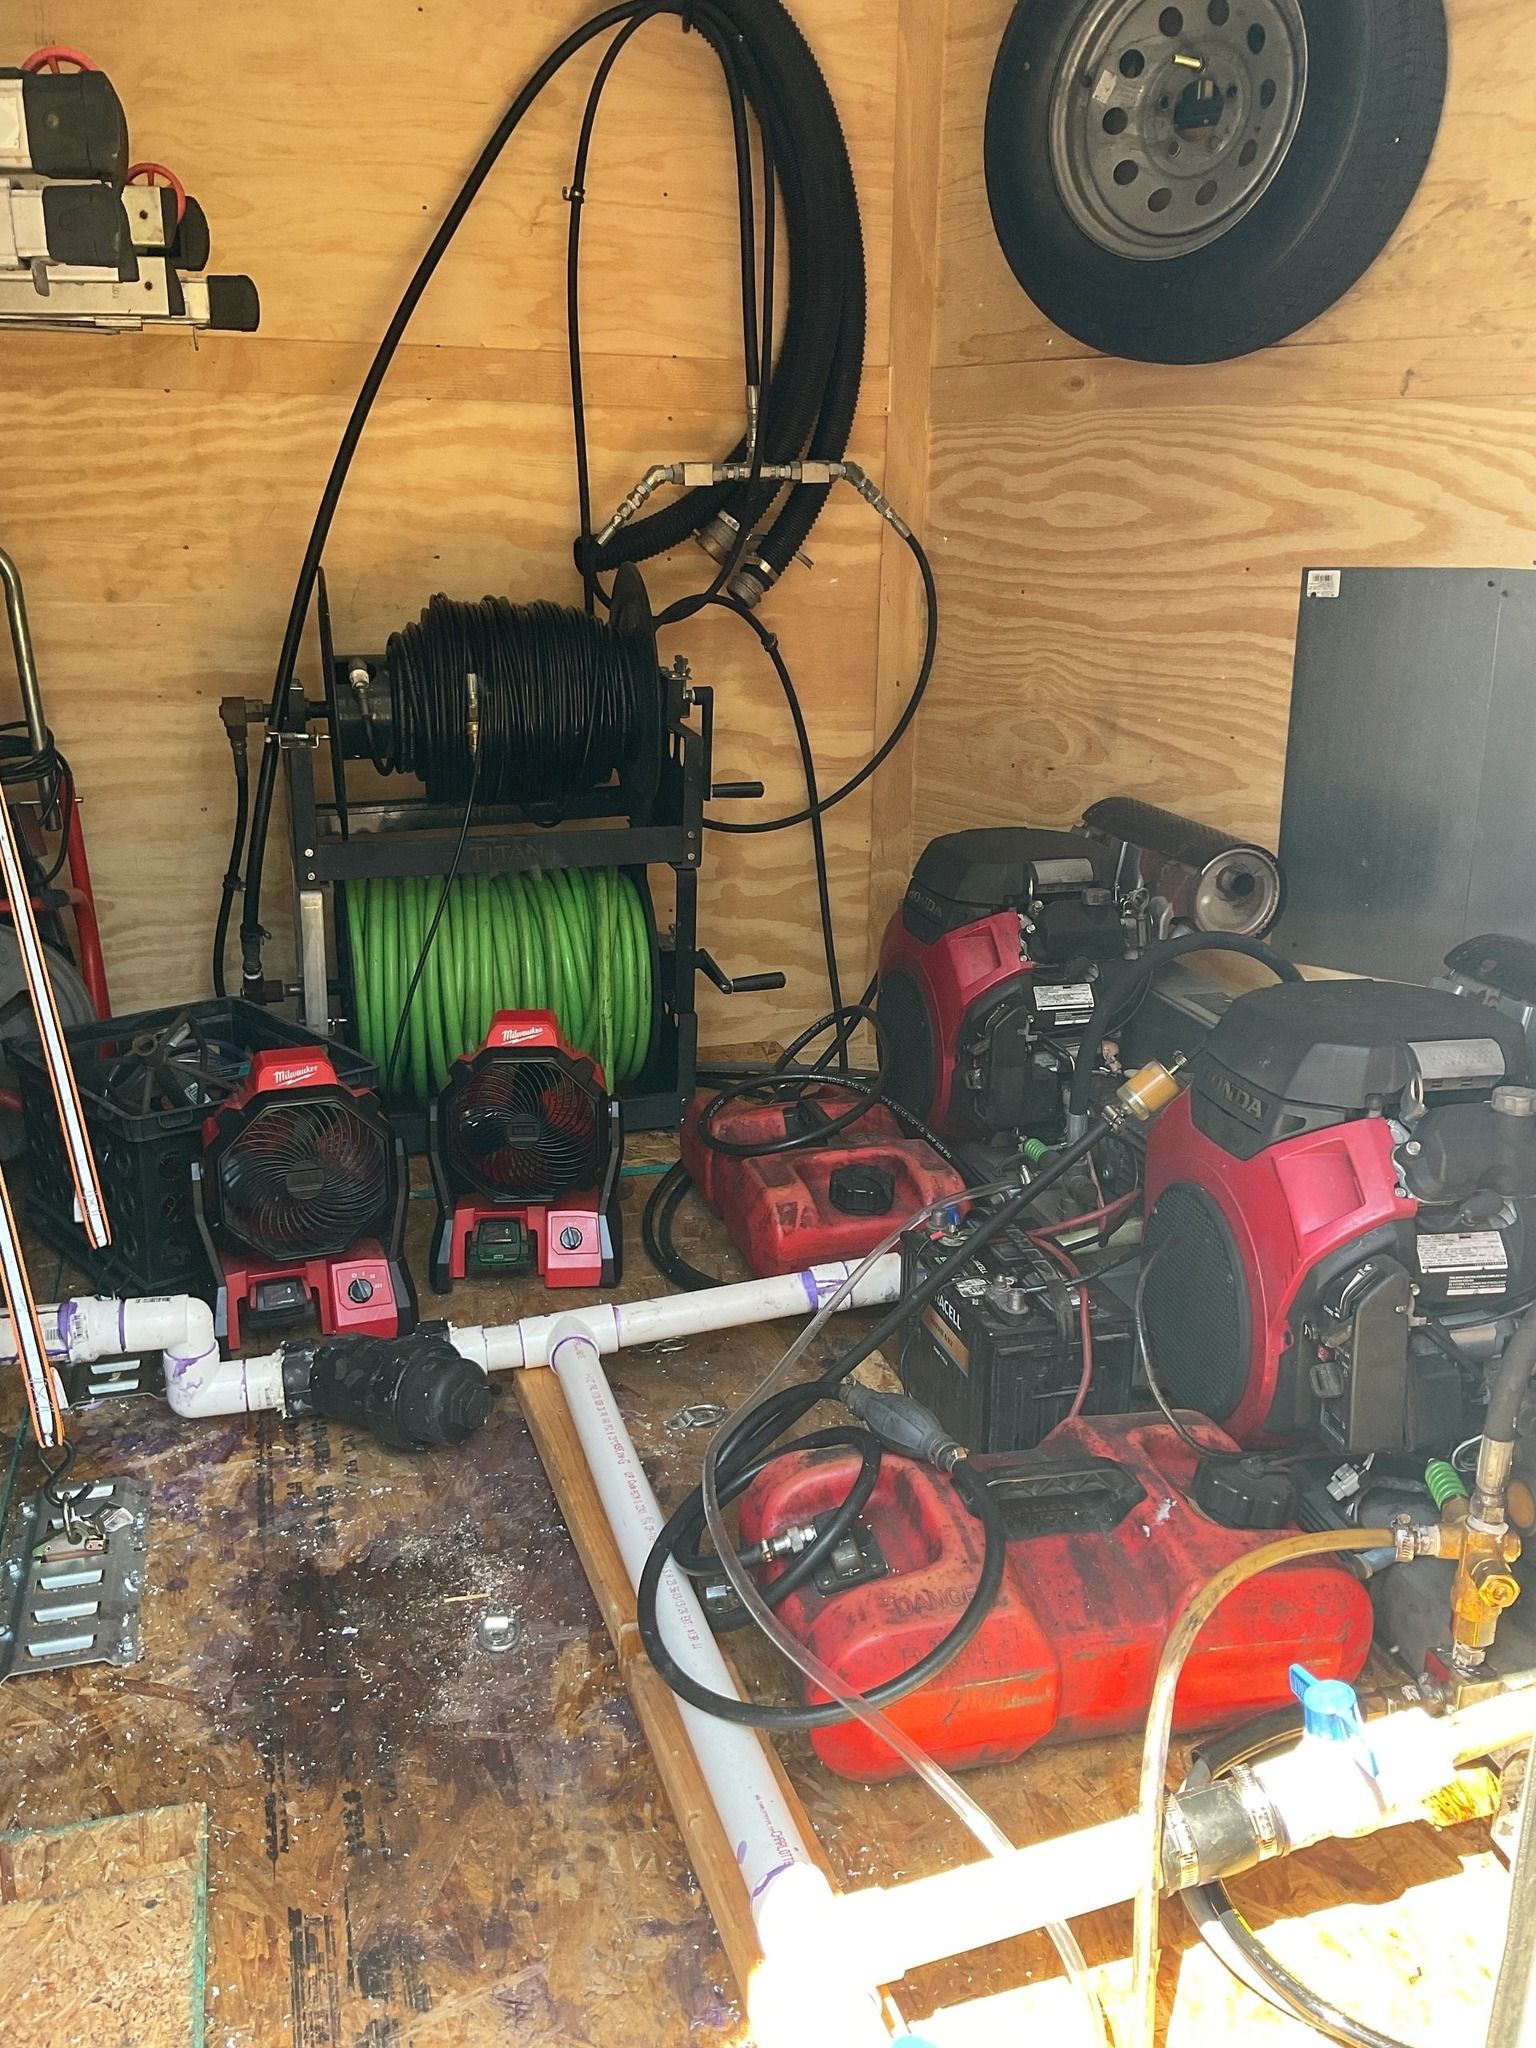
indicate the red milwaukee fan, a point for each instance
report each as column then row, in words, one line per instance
column 526, row 1147
column 303, row 1190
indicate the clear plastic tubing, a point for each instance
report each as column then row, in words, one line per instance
column 973, row 1817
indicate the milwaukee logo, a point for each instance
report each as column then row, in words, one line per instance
column 1242, row 1100
column 293, row 1077
column 520, row 1034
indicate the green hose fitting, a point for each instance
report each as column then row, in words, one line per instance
column 1444, row 1482
column 1035, row 1152
column 572, row 940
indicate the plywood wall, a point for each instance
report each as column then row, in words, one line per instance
column 1119, row 545
column 157, row 489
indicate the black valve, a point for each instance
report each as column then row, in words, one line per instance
column 412, row 1392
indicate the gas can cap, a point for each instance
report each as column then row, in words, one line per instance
column 862, row 1190
column 1330, row 1709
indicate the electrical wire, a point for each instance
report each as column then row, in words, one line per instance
column 1079, row 1279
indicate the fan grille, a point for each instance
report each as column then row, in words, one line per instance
column 523, row 1130
column 304, row 1177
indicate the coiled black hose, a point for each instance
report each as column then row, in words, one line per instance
column 748, row 1444
column 808, row 408
column 563, row 702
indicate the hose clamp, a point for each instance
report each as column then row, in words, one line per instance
column 1181, row 1859
column 1259, row 1813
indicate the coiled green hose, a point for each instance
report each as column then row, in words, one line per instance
column 573, row 940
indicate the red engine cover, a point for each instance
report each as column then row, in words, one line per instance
column 778, row 1208
column 950, row 977
column 1287, row 1208
column 1070, row 1648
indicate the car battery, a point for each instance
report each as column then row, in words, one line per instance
column 998, row 1353
column 1105, row 1548
column 829, row 1199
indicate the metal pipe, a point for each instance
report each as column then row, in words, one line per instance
column 26, row 663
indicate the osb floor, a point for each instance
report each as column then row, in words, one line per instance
column 413, row 1840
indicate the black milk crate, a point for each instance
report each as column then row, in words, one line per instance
column 145, row 1161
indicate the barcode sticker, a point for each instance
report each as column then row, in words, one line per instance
column 1324, row 582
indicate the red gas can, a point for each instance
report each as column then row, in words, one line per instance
column 1105, row 1546
column 834, row 1200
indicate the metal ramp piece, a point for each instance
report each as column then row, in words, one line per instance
column 107, row 1379
column 72, row 1596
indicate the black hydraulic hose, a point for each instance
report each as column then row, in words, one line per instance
column 1117, row 986
column 808, row 405
column 735, row 29
column 230, row 887
column 1507, row 1393
column 898, row 731
column 976, row 1496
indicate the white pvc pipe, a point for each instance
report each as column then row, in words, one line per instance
column 617, row 1325
column 197, row 1380
column 819, row 2005
column 200, row 1383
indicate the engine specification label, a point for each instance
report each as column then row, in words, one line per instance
column 1064, row 995
column 1472, row 1261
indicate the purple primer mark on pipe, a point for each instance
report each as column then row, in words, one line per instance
column 778, row 1870
column 122, row 1324
column 179, row 1363
column 67, row 1316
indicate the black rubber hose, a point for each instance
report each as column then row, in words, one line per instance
column 976, row 1496
column 808, row 406
column 1117, row 987
column 230, row 887
column 1510, row 1382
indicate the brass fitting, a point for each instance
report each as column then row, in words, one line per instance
column 1484, row 1547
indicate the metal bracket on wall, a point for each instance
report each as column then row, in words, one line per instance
column 73, row 1596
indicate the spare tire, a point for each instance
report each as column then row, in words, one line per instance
column 1182, row 184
